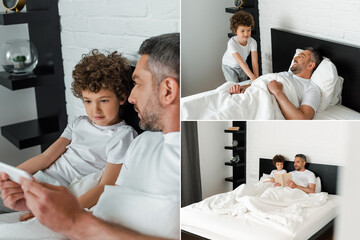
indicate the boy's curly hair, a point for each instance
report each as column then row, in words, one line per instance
column 241, row 18
column 97, row 71
column 278, row 158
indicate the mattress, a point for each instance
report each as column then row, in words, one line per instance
column 224, row 227
column 337, row 112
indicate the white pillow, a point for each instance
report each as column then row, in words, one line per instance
column 327, row 79
column 265, row 177
column 318, row 185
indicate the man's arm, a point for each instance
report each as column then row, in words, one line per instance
column 290, row 112
column 310, row 189
column 58, row 209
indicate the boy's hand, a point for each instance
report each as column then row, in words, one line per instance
column 12, row 194
column 235, row 89
column 26, row 216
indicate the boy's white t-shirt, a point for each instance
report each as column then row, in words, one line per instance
column 308, row 92
column 276, row 171
column 234, row 46
column 303, row 178
column 91, row 148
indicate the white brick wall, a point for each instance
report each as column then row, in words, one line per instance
column 337, row 20
column 110, row 25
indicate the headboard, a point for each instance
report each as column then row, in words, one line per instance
column 327, row 173
column 344, row 56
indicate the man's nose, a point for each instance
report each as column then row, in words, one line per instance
column 131, row 98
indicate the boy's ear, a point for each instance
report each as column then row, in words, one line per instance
column 168, row 91
column 123, row 99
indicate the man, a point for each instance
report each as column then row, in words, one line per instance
column 147, row 199
column 304, row 65
column 302, row 178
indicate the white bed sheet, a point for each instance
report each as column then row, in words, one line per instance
column 224, row 227
column 336, row 112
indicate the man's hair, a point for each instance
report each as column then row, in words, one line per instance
column 164, row 56
column 302, row 156
column 316, row 57
column 278, row 158
column 241, row 18
column 97, row 71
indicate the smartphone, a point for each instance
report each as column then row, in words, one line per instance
column 13, row 172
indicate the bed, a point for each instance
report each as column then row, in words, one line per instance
column 317, row 220
column 207, row 105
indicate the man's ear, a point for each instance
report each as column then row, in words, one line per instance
column 311, row 65
column 168, row 91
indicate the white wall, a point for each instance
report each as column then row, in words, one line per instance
column 110, row 25
column 348, row 223
column 204, row 28
column 206, row 20
column 15, row 106
column 336, row 20
column 323, row 142
column 213, row 156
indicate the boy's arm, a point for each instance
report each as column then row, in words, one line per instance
column 255, row 63
column 244, row 66
column 109, row 176
column 46, row 158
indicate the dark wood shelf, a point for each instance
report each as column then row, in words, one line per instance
column 31, row 133
column 250, row 9
column 40, row 75
column 237, row 181
column 234, row 148
column 23, row 17
column 241, row 164
column 234, row 131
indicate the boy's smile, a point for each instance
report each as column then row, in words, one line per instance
column 243, row 34
column 102, row 107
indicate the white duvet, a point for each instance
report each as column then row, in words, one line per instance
column 282, row 207
column 255, row 103
column 12, row 229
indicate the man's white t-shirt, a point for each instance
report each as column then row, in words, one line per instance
column 276, row 171
column 147, row 195
column 91, row 148
column 308, row 91
column 233, row 47
column 303, row 178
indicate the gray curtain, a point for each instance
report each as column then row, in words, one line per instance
column 190, row 164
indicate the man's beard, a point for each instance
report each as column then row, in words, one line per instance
column 151, row 116
column 296, row 69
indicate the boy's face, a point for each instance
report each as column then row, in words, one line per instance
column 243, row 34
column 102, row 107
column 279, row 165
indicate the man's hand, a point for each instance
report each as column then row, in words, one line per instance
column 12, row 194
column 235, row 89
column 275, row 87
column 55, row 207
column 290, row 184
column 277, row 184
column 26, row 216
